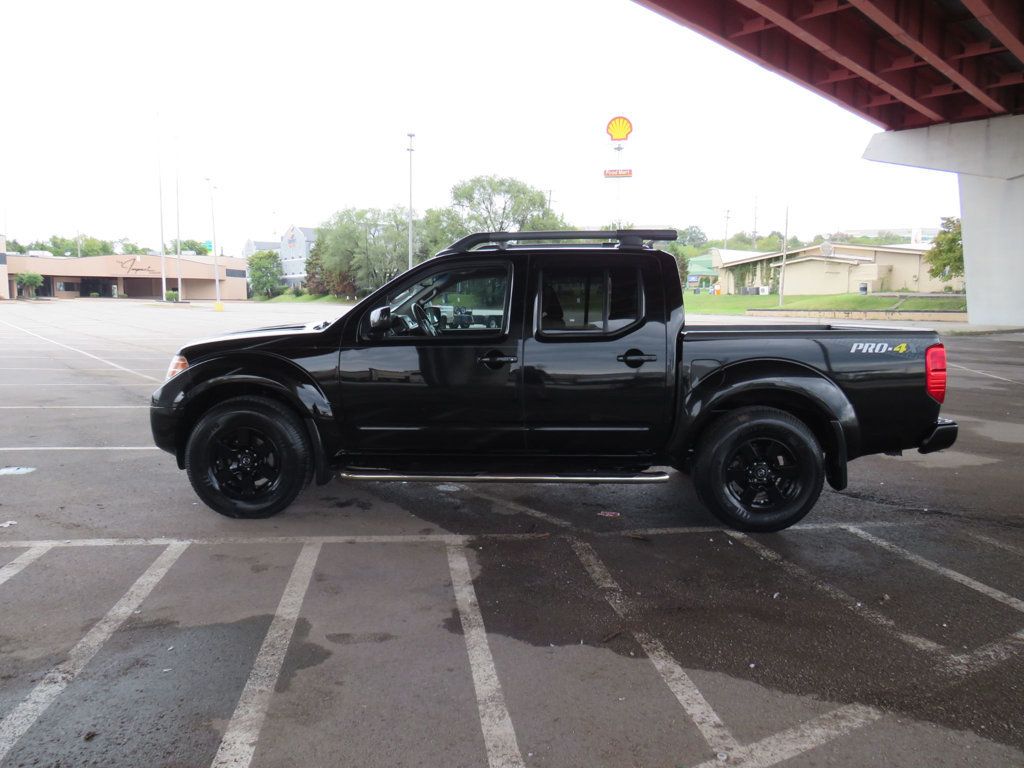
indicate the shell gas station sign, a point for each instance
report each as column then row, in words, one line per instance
column 618, row 130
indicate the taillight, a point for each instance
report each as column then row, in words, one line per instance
column 178, row 364
column 935, row 372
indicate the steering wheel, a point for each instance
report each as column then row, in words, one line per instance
column 423, row 320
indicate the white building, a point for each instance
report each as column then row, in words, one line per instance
column 252, row 246
column 295, row 246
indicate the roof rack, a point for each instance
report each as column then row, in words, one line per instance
column 633, row 238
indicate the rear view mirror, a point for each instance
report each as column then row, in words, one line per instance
column 380, row 318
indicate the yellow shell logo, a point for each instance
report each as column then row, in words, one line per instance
column 619, row 128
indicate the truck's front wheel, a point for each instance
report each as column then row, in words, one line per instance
column 248, row 457
column 759, row 469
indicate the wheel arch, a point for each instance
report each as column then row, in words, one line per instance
column 215, row 381
column 791, row 387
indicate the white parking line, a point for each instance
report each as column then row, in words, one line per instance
column 79, row 351
column 72, row 370
column 847, row 600
column 803, row 738
column 22, row 561
column 714, row 731
column 987, row 655
column 982, row 373
column 1008, row 600
column 37, row 384
column 81, row 448
column 517, row 507
column 998, row 543
column 243, row 731
column 64, row 407
column 57, row 679
column 495, row 722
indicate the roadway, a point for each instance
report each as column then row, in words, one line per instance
column 457, row 625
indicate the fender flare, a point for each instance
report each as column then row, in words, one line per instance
column 193, row 391
column 775, row 383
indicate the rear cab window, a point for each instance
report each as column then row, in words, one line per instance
column 583, row 300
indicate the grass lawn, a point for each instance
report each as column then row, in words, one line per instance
column 289, row 298
column 953, row 302
column 705, row 304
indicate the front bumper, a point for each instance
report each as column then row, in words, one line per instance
column 942, row 436
column 164, row 423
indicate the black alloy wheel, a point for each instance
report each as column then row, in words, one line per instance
column 759, row 469
column 249, row 457
column 246, row 463
column 763, row 474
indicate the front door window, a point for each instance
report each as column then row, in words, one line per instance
column 458, row 302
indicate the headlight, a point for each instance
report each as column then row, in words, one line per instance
column 178, row 364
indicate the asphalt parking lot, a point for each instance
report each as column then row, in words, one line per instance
column 501, row 626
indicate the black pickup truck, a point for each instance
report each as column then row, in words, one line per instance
column 580, row 369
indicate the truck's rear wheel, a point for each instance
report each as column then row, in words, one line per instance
column 759, row 469
column 248, row 457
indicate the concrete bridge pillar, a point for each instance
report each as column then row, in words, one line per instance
column 988, row 158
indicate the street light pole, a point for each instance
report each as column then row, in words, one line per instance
column 177, row 228
column 785, row 252
column 216, row 268
column 163, row 256
column 410, row 151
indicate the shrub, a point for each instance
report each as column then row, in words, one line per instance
column 94, row 295
column 171, row 296
column 29, row 281
column 297, row 290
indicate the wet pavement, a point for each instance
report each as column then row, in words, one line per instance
column 457, row 625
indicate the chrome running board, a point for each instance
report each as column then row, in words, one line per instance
column 479, row 477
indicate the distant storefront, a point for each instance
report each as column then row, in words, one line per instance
column 830, row 268
column 136, row 277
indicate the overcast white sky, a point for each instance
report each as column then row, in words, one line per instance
column 299, row 109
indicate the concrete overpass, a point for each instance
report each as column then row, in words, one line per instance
column 945, row 78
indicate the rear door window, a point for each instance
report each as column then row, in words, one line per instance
column 589, row 300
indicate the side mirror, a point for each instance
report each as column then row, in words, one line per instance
column 380, row 318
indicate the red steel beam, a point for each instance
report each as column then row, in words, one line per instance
column 779, row 52
column 916, row 25
column 852, row 47
column 978, row 48
column 1004, row 19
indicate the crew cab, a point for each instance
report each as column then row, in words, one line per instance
column 583, row 371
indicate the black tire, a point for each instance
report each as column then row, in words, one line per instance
column 248, row 457
column 759, row 469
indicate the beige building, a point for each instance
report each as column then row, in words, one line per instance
column 137, row 277
column 835, row 268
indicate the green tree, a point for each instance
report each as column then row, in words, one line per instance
column 769, row 243
column 29, row 281
column 129, row 248
column 439, row 228
column 265, row 273
column 364, row 246
column 189, row 245
column 692, row 235
column 315, row 282
column 13, row 246
column 72, row 246
column 493, row 204
column 946, row 257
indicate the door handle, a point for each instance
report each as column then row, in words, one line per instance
column 634, row 358
column 495, row 359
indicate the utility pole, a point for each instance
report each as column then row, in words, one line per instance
column 725, row 243
column 163, row 258
column 785, row 252
column 177, row 228
column 753, row 236
column 218, row 307
column 410, row 151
